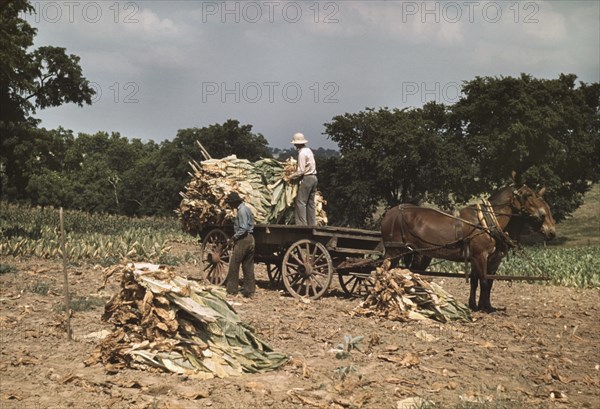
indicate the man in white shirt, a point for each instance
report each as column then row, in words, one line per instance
column 306, row 171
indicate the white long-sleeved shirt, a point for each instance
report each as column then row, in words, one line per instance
column 306, row 163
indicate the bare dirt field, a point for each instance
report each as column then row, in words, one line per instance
column 541, row 352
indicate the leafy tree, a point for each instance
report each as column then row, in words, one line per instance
column 229, row 138
column 44, row 152
column 548, row 130
column 326, row 153
column 149, row 187
column 283, row 154
column 153, row 182
column 150, row 176
column 50, row 188
column 351, row 200
column 392, row 156
column 95, row 166
column 30, row 79
column 29, row 151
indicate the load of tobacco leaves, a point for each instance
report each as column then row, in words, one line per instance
column 264, row 185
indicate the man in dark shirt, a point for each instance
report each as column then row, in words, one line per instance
column 243, row 248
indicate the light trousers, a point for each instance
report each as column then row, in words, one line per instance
column 306, row 211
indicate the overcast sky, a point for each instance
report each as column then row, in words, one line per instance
column 287, row 67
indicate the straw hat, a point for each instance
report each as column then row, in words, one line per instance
column 299, row 139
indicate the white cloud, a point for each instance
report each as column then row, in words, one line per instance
column 148, row 25
column 392, row 21
column 550, row 27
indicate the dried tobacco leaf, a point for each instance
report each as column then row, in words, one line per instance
column 263, row 184
column 399, row 294
column 165, row 322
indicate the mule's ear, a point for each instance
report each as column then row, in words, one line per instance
column 542, row 191
column 516, row 177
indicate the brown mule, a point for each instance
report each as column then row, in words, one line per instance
column 423, row 233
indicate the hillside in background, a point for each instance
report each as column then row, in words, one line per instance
column 283, row 154
column 583, row 228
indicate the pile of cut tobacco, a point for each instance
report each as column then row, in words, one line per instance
column 165, row 322
column 399, row 294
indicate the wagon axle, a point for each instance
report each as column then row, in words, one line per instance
column 305, row 270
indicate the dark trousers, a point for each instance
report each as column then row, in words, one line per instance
column 306, row 212
column 243, row 253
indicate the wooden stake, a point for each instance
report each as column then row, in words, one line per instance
column 203, row 151
column 66, row 277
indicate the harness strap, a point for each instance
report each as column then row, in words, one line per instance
column 489, row 221
column 491, row 213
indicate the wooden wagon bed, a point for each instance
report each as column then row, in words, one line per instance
column 305, row 258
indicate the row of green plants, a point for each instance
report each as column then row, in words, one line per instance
column 34, row 231
column 32, row 219
column 564, row 266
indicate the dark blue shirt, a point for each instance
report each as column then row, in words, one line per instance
column 243, row 223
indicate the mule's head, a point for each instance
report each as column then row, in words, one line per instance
column 532, row 205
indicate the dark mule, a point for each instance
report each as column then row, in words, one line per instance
column 419, row 233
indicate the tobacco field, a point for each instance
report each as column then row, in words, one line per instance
column 539, row 350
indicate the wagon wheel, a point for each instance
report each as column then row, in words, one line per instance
column 215, row 257
column 356, row 285
column 274, row 271
column 307, row 269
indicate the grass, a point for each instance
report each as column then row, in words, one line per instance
column 7, row 269
column 499, row 404
column 565, row 266
column 39, row 287
column 79, row 304
column 583, row 228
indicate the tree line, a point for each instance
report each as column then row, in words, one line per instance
column 546, row 129
column 111, row 173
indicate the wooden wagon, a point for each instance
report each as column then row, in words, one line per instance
column 305, row 258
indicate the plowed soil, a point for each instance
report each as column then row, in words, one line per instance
column 542, row 351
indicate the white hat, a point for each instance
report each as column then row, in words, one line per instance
column 299, row 139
